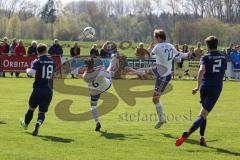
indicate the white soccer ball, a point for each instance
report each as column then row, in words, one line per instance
column 89, row 32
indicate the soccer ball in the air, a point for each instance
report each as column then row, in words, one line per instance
column 89, row 32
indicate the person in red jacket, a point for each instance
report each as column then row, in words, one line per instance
column 1, row 48
column 19, row 51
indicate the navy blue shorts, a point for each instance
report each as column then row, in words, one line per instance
column 209, row 97
column 161, row 82
column 41, row 97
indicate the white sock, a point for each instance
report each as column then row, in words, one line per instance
column 95, row 113
column 159, row 109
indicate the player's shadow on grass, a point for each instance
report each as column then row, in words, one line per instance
column 191, row 141
column 1, row 123
column 54, row 138
column 119, row 136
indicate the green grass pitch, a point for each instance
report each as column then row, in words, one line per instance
column 122, row 137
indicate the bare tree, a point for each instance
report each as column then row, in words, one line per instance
column 173, row 4
column 9, row 7
column 106, row 6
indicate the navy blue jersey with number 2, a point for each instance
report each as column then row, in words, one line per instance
column 44, row 67
column 215, row 66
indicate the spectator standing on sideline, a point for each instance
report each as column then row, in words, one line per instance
column 150, row 48
column 56, row 49
column 184, row 50
column 180, row 63
column 13, row 46
column 5, row 49
column 193, row 55
column 75, row 52
column 104, row 53
column 32, row 50
column 230, row 49
column 12, row 49
column 94, row 53
column 113, row 51
column 198, row 52
column 20, row 51
column 141, row 52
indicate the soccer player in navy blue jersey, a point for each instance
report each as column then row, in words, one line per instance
column 210, row 83
column 43, row 69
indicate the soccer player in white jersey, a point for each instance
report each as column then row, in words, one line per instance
column 165, row 53
column 98, row 83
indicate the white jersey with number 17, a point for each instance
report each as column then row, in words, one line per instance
column 165, row 54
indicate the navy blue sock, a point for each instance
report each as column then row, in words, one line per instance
column 203, row 127
column 28, row 117
column 197, row 123
column 41, row 117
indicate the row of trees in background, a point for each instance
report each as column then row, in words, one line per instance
column 186, row 21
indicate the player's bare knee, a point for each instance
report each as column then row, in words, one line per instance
column 31, row 109
column 204, row 113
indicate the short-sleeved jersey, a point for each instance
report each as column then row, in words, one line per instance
column 98, row 81
column 215, row 66
column 44, row 68
column 165, row 54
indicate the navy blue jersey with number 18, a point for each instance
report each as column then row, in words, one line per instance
column 215, row 66
column 44, row 67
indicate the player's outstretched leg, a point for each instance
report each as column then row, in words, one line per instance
column 94, row 100
column 40, row 120
column 28, row 118
column 202, row 132
column 197, row 123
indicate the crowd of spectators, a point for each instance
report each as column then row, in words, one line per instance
column 107, row 50
column 17, row 48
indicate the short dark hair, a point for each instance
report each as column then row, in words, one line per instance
column 42, row 48
column 89, row 62
column 160, row 33
column 212, row 42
